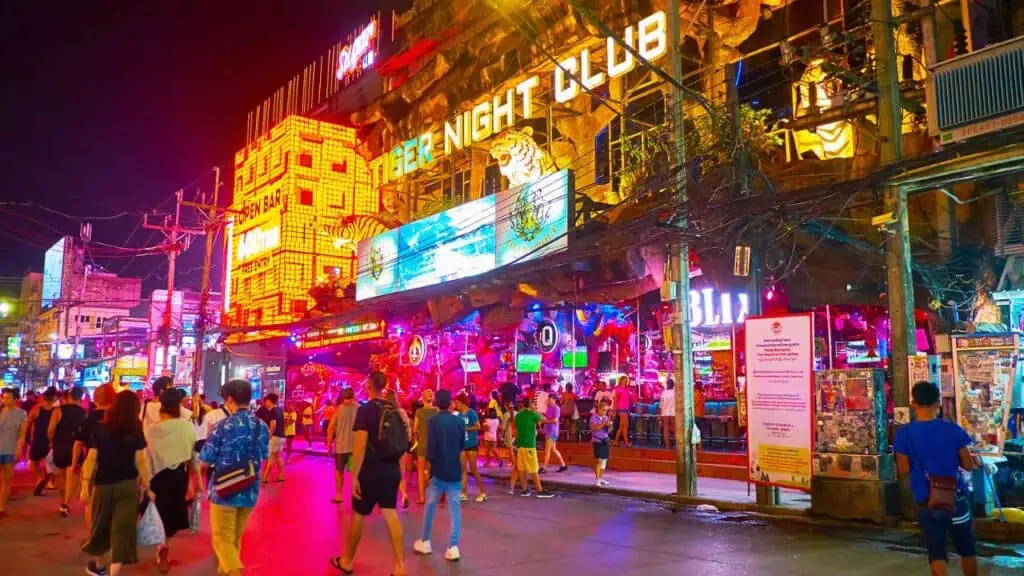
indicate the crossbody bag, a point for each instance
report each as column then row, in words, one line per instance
column 941, row 489
column 233, row 479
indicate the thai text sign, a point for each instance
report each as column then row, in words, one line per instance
column 780, row 384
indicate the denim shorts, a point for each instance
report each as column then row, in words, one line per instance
column 937, row 524
column 6, row 459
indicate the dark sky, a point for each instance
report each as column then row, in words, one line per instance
column 111, row 106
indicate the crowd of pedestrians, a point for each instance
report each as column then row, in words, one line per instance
column 121, row 453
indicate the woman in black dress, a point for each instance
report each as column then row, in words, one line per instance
column 171, row 442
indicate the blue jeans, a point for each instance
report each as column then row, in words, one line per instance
column 452, row 491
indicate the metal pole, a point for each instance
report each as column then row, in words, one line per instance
column 900, row 279
column 686, row 461
column 212, row 224
column 169, row 304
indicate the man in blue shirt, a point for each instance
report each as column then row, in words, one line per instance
column 471, row 420
column 446, row 439
column 241, row 437
column 934, row 448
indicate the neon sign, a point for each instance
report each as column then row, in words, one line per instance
column 704, row 313
column 359, row 54
column 417, row 350
column 257, row 241
column 547, row 336
column 341, row 335
column 499, row 111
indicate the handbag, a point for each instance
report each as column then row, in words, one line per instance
column 231, row 480
column 941, row 489
column 150, row 531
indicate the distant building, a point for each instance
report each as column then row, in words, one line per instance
column 185, row 319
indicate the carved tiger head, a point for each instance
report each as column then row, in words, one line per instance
column 519, row 157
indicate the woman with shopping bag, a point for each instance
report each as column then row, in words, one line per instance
column 115, row 470
column 171, row 441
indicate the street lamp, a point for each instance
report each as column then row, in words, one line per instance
column 5, row 309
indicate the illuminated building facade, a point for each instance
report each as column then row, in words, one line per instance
column 291, row 190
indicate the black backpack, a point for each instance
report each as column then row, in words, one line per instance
column 392, row 438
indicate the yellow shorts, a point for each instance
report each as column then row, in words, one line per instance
column 527, row 460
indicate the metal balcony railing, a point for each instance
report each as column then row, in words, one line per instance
column 977, row 93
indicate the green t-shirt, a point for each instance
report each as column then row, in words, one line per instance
column 526, row 428
column 423, row 416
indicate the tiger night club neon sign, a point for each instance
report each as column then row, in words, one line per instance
column 649, row 38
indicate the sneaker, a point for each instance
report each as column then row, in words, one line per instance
column 543, row 471
column 526, row 493
column 422, row 547
column 93, row 570
column 563, row 468
column 64, row 511
column 452, row 554
column 604, row 482
column 463, row 497
column 545, row 494
column 481, row 498
column 511, row 492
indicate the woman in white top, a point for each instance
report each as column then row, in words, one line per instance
column 668, row 411
column 171, row 442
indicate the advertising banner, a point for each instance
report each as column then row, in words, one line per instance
column 532, row 220
column 517, row 225
column 985, row 368
column 780, row 384
column 449, row 245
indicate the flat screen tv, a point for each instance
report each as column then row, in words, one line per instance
column 574, row 358
column 469, row 363
column 528, row 363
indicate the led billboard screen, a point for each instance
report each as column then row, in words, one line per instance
column 532, row 220
column 515, row 226
column 449, row 245
column 53, row 273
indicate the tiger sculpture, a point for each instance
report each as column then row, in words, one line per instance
column 519, row 157
column 350, row 230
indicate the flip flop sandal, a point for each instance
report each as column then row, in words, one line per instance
column 336, row 562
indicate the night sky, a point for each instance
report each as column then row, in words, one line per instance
column 109, row 107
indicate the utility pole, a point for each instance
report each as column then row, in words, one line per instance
column 213, row 223
column 176, row 239
column 890, row 135
column 686, row 460
column 85, row 235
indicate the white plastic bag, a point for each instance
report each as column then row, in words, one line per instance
column 196, row 515
column 51, row 468
column 151, row 527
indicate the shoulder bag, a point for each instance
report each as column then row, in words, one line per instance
column 232, row 479
column 941, row 489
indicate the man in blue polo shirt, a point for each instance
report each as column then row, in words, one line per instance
column 446, row 438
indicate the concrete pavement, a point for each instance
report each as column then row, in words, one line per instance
column 295, row 530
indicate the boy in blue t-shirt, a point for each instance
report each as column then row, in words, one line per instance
column 469, row 465
column 930, row 447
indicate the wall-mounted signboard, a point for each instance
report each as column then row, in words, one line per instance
column 518, row 225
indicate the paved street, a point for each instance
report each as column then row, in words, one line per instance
column 295, row 530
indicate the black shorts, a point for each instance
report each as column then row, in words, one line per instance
column 601, row 450
column 38, row 452
column 378, row 492
column 62, row 456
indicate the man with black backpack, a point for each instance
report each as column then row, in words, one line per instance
column 380, row 441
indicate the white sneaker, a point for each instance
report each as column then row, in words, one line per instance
column 452, row 554
column 422, row 547
column 481, row 498
column 604, row 482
